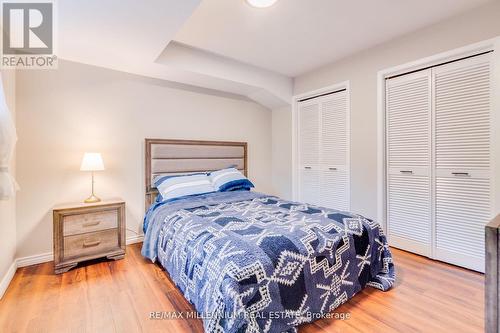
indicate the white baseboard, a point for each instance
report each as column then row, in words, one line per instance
column 135, row 239
column 4, row 284
column 35, row 259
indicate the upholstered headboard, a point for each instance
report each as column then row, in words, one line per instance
column 170, row 157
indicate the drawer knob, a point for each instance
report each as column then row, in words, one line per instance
column 90, row 224
column 91, row 243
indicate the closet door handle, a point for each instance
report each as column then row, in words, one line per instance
column 332, row 169
column 407, row 171
column 307, row 168
column 460, row 174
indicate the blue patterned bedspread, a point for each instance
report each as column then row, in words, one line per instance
column 249, row 262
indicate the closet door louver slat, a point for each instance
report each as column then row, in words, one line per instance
column 408, row 111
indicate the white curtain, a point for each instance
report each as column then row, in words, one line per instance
column 8, row 138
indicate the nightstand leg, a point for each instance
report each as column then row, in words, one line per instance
column 64, row 268
column 116, row 256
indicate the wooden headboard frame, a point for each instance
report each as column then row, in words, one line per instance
column 169, row 157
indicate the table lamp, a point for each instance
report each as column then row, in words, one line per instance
column 92, row 162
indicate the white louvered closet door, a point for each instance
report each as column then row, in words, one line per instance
column 334, row 152
column 462, row 160
column 323, row 147
column 408, row 124
column 308, row 147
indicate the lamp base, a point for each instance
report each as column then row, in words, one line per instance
column 92, row 199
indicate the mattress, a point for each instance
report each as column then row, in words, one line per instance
column 250, row 262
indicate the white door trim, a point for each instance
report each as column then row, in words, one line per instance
column 470, row 50
column 295, row 100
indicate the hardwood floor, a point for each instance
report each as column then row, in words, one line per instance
column 118, row 296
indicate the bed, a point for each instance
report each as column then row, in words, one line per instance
column 251, row 262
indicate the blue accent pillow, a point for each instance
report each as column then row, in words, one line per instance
column 229, row 180
column 175, row 187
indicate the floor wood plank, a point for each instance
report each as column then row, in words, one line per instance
column 118, row 296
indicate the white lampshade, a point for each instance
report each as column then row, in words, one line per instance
column 92, row 162
column 261, row 3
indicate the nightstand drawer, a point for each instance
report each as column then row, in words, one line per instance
column 90, row 222
column 90, row 243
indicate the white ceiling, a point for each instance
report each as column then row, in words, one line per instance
column 295, row 36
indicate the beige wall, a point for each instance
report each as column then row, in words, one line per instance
column 63, row 113
column 361, row 69
column 8, row 208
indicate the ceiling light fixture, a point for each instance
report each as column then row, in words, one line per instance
column 261, row 3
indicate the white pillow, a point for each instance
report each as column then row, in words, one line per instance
column 176, row 187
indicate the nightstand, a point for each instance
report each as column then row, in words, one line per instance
column 88, row 231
